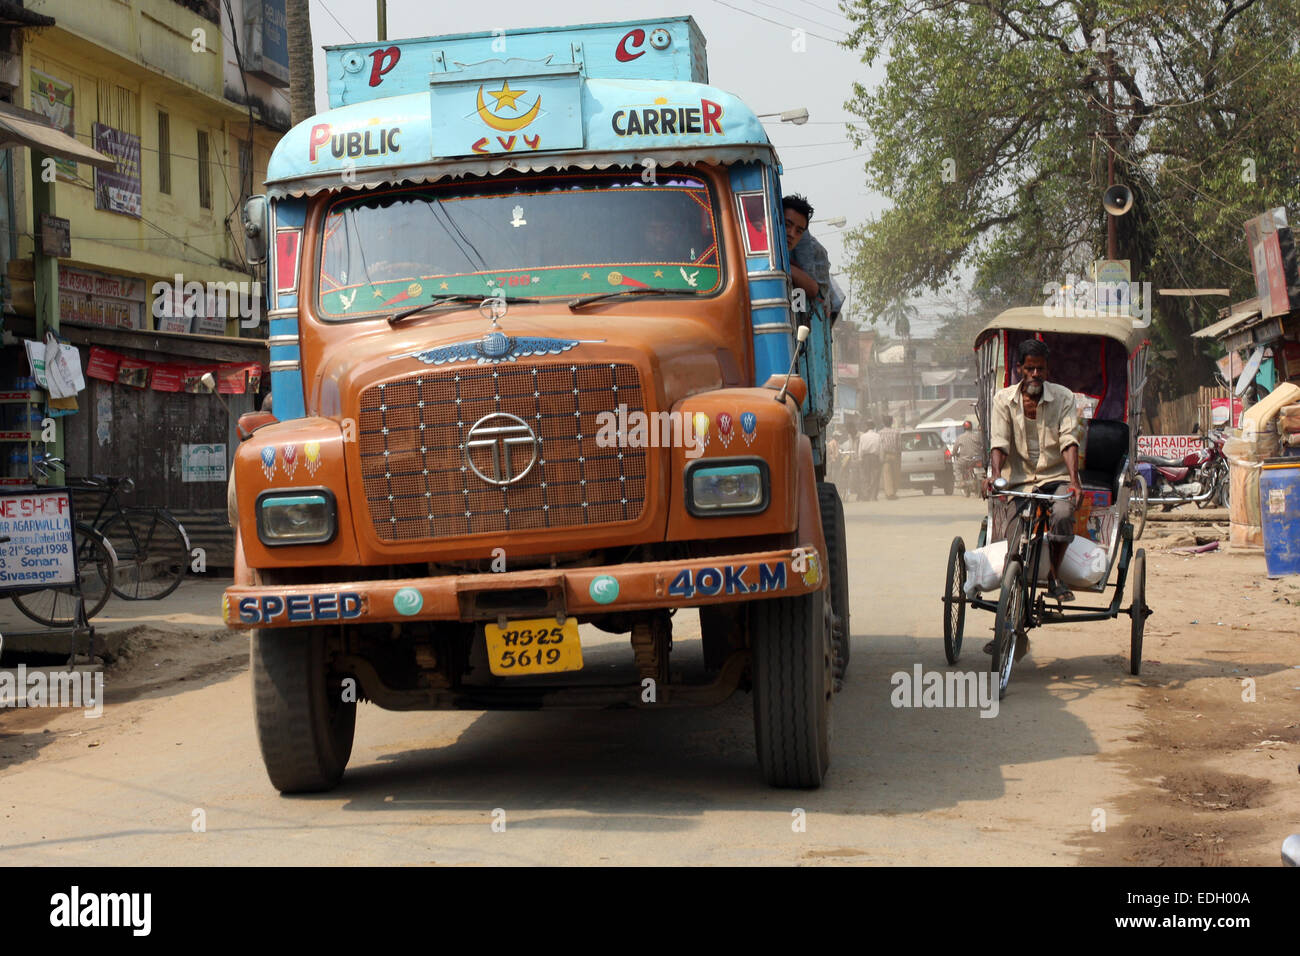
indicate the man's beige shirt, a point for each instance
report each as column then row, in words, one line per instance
column 1057, row 426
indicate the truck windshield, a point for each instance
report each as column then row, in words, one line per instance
column 534, row 237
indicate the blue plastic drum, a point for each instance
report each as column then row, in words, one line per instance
column 1279, row 503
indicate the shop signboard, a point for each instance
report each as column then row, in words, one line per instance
column 118, row 189
column 99, row 299
column 1273, row 260
column 1219, row 413
column 203, row 463
column 54, row 99
column 1175, row 447
column 37, row 550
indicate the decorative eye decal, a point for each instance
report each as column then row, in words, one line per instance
column 659, row 39
column 353, row 62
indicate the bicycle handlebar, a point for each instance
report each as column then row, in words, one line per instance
column 1037, row 496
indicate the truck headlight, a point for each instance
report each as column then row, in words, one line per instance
column 296, row 516
column 728, row 486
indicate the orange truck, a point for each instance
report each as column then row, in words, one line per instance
column 536, row 363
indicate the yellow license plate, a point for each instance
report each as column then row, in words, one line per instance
column 538, row 646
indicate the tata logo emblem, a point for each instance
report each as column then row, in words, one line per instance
column 501, row 449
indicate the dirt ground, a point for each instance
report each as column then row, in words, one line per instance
column 1214, row 763
column 1192, row 763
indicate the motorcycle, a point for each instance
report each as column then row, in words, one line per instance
column 970, row 475
column 1200, row 476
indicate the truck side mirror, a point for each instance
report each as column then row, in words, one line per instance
column 256, row 222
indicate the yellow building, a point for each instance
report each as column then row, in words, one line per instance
column 189, row 101
column 147, row 81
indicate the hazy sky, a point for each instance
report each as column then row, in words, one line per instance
column 748, row 56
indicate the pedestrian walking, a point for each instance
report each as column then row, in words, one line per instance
column 869, row 462
column 891, row 458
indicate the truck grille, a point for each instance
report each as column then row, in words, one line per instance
column 419, row 483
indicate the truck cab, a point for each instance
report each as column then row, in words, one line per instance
column 534, row 364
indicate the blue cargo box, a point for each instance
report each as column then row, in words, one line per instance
column 671, row 48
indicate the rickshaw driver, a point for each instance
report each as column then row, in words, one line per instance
column 1033, row 445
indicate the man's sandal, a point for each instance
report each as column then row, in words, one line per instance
column 1059, row 592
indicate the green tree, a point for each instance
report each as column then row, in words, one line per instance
column 986, row 129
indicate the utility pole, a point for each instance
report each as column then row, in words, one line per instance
column 302, row 79
column 381, row 11
column 1112, row 134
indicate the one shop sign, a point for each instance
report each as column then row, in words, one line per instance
column 200, row 463
column 37, row 551
column 1175, row 447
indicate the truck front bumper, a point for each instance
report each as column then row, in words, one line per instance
column 583, row 592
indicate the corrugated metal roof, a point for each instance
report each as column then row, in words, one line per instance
column 1224, row 325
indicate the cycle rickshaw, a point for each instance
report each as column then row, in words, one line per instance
column 1102, row 359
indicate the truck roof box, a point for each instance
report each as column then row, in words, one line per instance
column 670, row 48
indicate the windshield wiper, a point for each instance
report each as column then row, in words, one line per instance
column 587, row 300
column 449, row 299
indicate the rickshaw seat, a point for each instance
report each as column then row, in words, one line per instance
column 1105, row 454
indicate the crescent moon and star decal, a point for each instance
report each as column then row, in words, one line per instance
column 503, row 99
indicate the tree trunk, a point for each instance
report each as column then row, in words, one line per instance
column 302, row 77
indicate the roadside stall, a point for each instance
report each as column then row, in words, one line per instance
column 1264, row 334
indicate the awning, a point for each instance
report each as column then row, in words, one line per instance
column 1245, row 312
column 24, row 128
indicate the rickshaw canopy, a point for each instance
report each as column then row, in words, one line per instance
column 1043, row 319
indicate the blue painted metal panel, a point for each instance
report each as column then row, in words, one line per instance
column 671, row 48
column 284, row 326
column 616, row 116
column 286, row 389
column 290, row 213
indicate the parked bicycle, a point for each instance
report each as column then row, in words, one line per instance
column 151, row 548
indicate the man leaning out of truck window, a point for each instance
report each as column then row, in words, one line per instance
column 810, row 265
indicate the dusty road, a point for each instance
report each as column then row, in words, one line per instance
column 1175, row 765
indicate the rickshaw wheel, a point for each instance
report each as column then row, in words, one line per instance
column 1010, row 620
column 1137, row 506
column 954, row 610
column 1138, row 610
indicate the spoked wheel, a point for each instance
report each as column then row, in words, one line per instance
column 1008, row 625
column 954, row 612
column 57, row 606
column 1138, row 610
column 1219, row 499
column 1137, row 506
column 153, row 553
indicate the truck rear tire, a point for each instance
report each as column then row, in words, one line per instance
column 304, row 726
column 837, row 574
column 793, row 662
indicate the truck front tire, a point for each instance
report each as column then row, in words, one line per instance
column 304, row 725
column 793, row 685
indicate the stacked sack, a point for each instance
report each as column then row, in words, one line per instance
column 1288, row 430
column 1258, row 440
